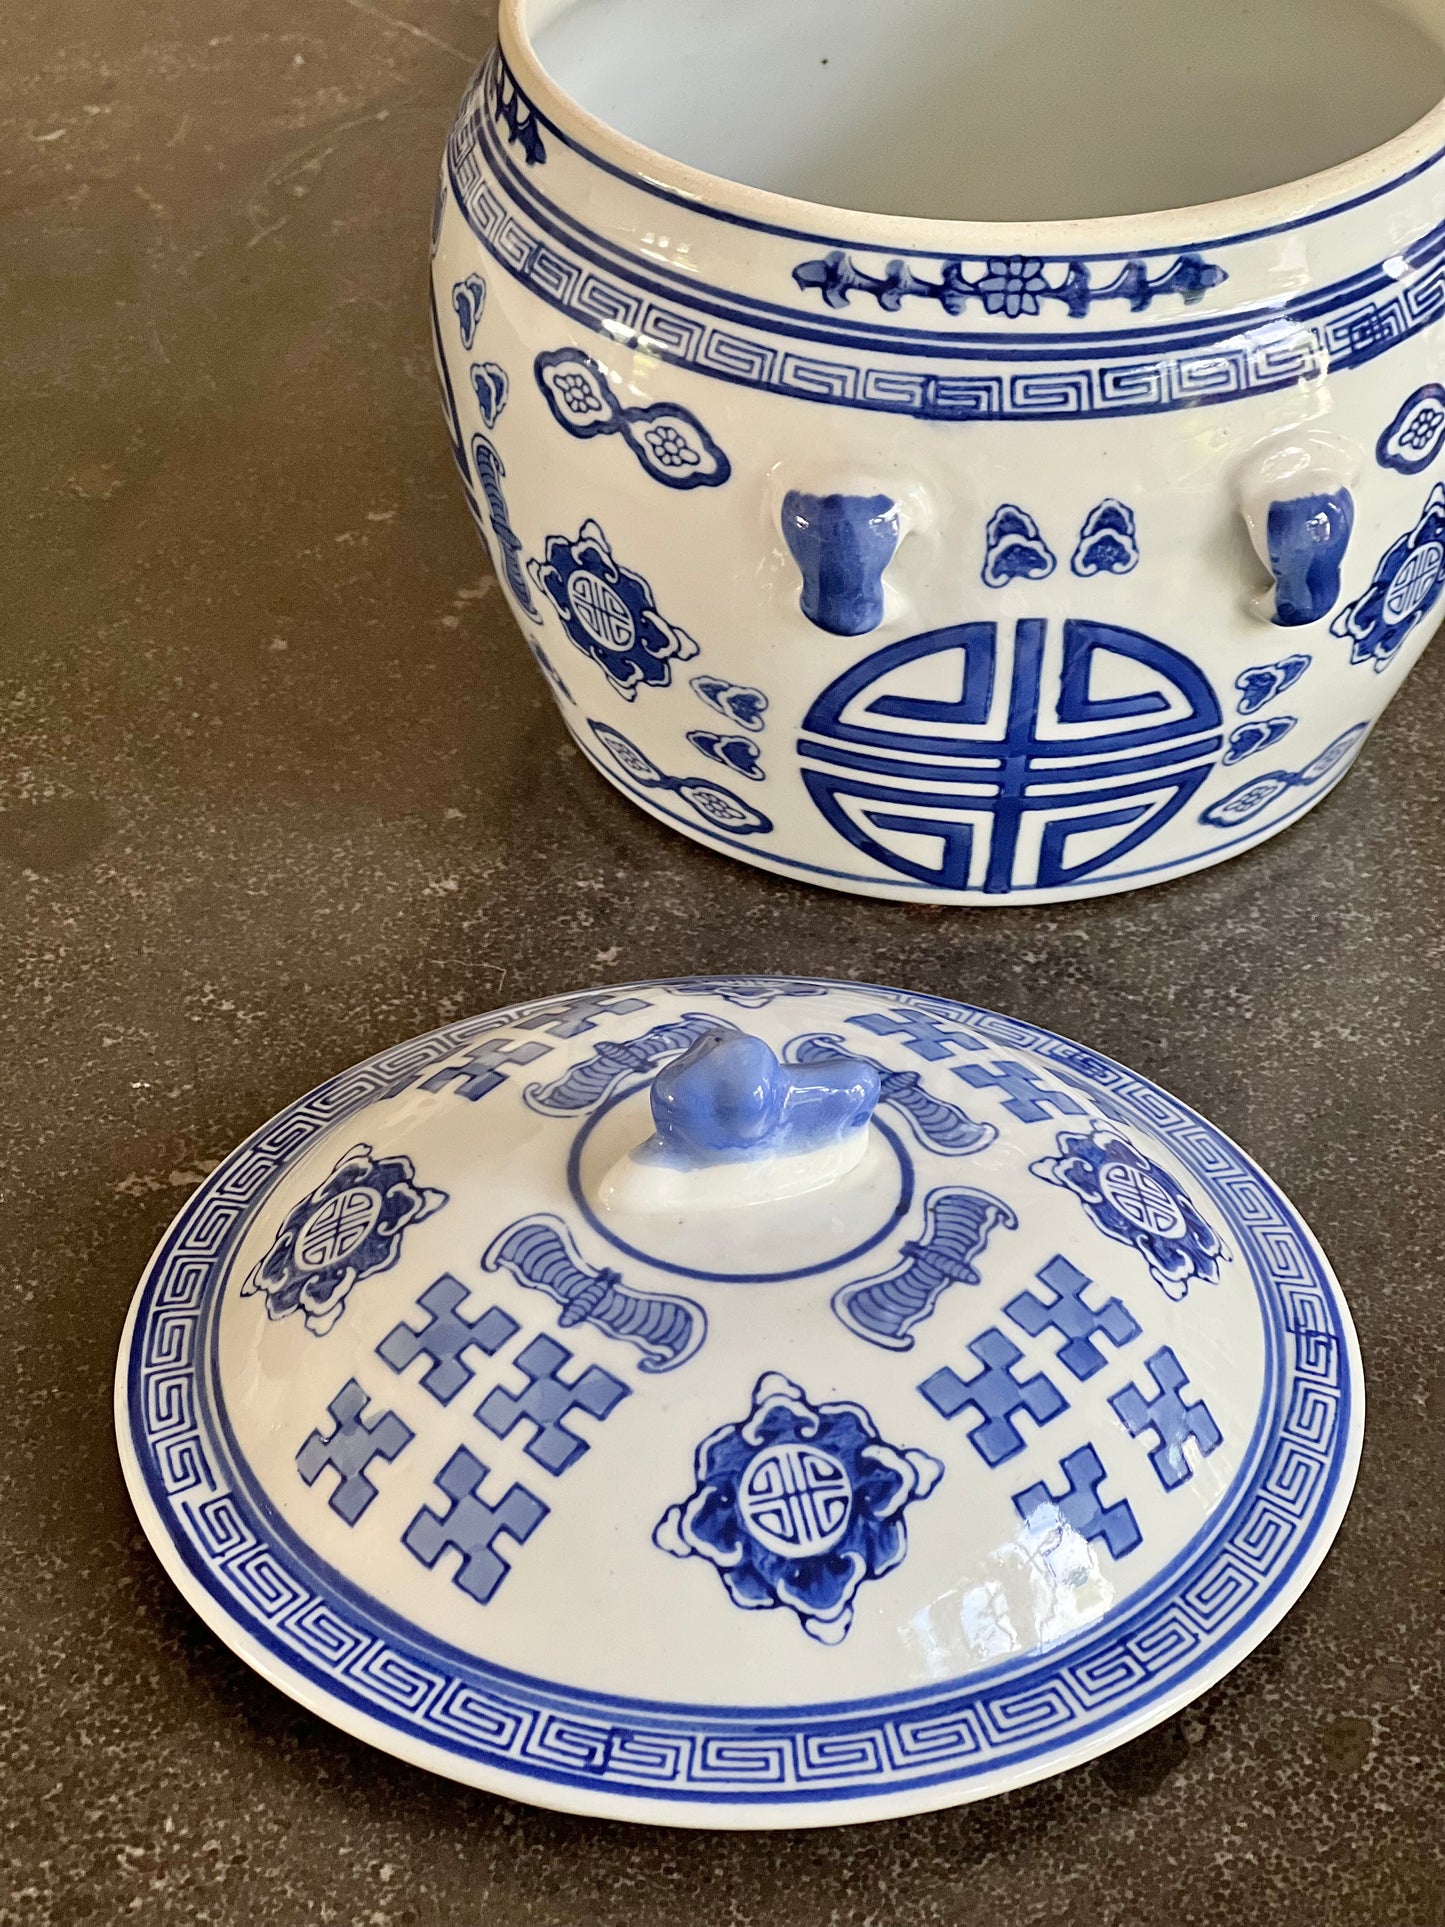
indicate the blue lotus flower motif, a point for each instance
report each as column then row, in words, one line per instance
column 349, row 1228
column 577, row 392
column 1133, row 1201
column 609, row 613
column 1012, row 285
column 798, row 1505
column 1405, row 588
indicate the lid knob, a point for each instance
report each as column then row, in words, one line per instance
column 732, row 1125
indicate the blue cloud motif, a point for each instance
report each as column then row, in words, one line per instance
column 1107, row 542
column 1250, row 738
column 469, row 298
column 1013, row 547
column 609, row 613
column 798, row 1505
column 737, row 752
column 1417, row 434
column 1135, row 1202
column 1404, row 589
column 489, row 384
column 1267, row 680
column 349, row 1228
column 737, row 701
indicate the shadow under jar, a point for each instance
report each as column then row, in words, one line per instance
column 957, row 452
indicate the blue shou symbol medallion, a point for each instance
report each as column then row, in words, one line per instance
column 934, row 763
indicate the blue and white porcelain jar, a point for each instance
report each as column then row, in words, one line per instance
column 1003, row 539
column 740, row 1402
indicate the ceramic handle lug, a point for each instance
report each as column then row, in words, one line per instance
column 841, row 544
column 1296, row 500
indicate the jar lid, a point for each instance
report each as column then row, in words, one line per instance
column 740, row 1402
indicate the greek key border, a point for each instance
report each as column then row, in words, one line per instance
column 1272, row 352
column 485, row 1715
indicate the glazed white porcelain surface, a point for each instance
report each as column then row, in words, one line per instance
column 961, row 560
column 883, row 1488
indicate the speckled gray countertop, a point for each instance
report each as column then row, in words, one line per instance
column 280, row 786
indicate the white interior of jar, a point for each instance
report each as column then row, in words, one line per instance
column 998, row 110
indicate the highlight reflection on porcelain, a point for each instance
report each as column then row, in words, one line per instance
column 989, row 496
column 740, row 1402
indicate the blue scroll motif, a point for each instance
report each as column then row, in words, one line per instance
column 1267, row 680
column 738, row 753
column 489, row 473
column 937, row 1124
column 349, row 1228
column 1416, row 435
column 513, row 112
column 538, row 1252
column 737, row 701
column 669, row 441
column 1404, row 589
column 1306, row 536
column 1010, row 285
column 798, row 1505
column 714, row 804
column 609, row 613
column 469, row 298
column 489, row 385
column 1136, row 1202
column 1250, row 738
column 1246, row 802
column 841, row 544
column 957, row 1224
column 1108, row 543
column 617, row 1059
column 1014, row 548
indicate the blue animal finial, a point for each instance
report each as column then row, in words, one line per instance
column 729, row 1100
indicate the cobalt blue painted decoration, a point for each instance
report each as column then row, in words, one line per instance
column 1307, row 537
column 1250, row 738
column 729, row 1098
column 1241, row 805
column 446, row 1334
column 957, row 1224
column 713, row 803
column 1029, row 1098
column 350, row 1448
column 490, row 472
column 469, row 298
column 1013, row 548
column 512, row 110
column 349, row 1228
column 472, row 1527
column 1170, row 1416
column 1404, row 589
column 1136, row 1202
column 937, row 1124
column 798, row 1506
column 548, row 668
column 608, row 612
column 739, row 703
column 489, row 385
column 1108, row 543
column 919, row 1031
column 877, row 754
column 538, row 1252
column 1078, row 1506
column 998, row 1394
column 669, row 441
column 748, row 993
column 1416, row 435
column 738, row 753
column 616, row 1061
column 1010, row 285
column 1267, row 680
column 1068, row 1312
column 841, row 544
column 547, row 1400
